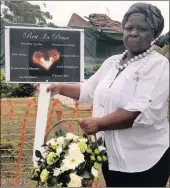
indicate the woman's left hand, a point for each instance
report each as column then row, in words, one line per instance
column 90, row 125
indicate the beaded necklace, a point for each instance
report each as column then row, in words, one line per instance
column 140, row 56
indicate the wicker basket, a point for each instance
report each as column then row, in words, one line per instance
column 87, row 182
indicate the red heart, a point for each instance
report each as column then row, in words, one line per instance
column 39, row 58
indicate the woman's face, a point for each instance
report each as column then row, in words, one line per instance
column 138, row 35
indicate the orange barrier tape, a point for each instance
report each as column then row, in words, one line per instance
column 14, row 113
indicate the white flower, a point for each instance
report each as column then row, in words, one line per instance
column 94, row 172
column 75, row 181
column 42, row 160
column 52, row 141
column 73, row 147
column 36, row 167
column 101, row 148
column 72, row 160
column 83, row 140
column 37, row 170
column 61, row 141
column 63, row 168
column 70, row 136
column 44, row 154
column 75, row 139
column 58, row 150
column 57, row 172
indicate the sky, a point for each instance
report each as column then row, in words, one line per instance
column 62, row 10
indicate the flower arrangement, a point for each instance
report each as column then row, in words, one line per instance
column 69, row 161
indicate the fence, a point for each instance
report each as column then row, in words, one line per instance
column 18, row 118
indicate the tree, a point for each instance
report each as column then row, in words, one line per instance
column 21, row 13
column 50, row 24
column 24, row 12
column 163, row 40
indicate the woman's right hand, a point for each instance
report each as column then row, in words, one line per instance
column 54, row 88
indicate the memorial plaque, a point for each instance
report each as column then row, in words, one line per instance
column 34, row 54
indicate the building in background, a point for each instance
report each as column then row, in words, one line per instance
column 103, row 37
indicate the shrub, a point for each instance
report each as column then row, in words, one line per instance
column 96, row 67
column 88, row 72
column 6, row 88
column 164, row 50
column 15, row 89
column 23, row 90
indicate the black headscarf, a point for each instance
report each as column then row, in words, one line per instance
column 152, row 14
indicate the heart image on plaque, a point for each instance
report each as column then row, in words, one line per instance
column 46, row 59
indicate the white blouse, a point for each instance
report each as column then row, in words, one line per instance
column 142, row 86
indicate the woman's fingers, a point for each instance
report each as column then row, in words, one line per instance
column 37, row 85
column 54, row 88
column 82, row 124
column 37, row 93
column 49, row 88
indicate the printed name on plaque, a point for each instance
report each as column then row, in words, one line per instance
column 44, row 54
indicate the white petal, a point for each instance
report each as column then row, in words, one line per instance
column 94, row 172
column 58, row 150
column 101, row 148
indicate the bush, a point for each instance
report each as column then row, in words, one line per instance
column 15, row 89
column 163, row 40
column 23, row 90
column 6, row 88
column 164, row 51
column 96, row 67
column 89, row 71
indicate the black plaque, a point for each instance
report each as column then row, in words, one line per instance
column 44, row 55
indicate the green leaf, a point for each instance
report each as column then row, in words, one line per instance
column 35, row 178
column 81, row 167
column 34, row 175
column 52, row 181
column 65, row 178
column 92, row 145
column 42, row 166
column 50, row 168
column 44, row 145
column 102, row 152
column 100, row 141
column 38, row 154
column 85, row 135
column 62, row 155
column 60, row 133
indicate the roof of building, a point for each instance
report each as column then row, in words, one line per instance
column 101, row 21
column 104, row 21
column 77, row 20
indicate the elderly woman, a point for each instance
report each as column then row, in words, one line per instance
column 129, row 94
